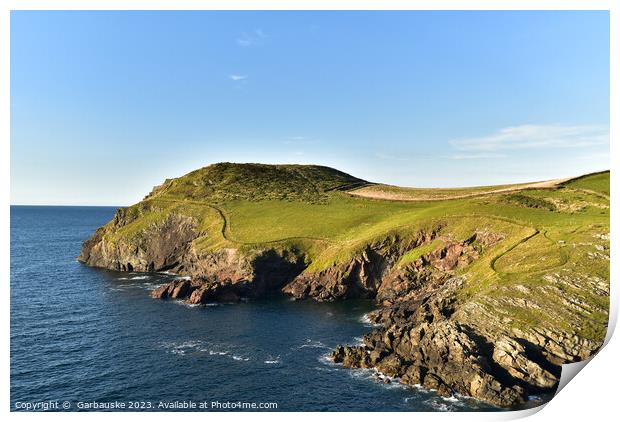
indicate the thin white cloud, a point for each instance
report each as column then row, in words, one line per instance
column 536, row 137
column 249, row 39
column 475, row 156
column 238, row 77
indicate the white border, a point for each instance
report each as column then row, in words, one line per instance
column 591, row 395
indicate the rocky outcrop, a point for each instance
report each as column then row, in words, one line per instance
column 373, row 272
column 360, row 277
column 246, row 277
column 421, row 343
column 159, row 247
column 167, row 245
column 422, row 339
column 198, row 291
column 425, row 336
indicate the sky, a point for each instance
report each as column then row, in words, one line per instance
column 105, row 105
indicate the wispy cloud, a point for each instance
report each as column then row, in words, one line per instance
column 475, row 156
column 249, row 39
column 534, row 137
column 238, row 77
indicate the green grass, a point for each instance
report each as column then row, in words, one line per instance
column 528, row 201
column 598, row 182
column 536, row 254
column 546, row 231
column 417, row 252
column 257, row 182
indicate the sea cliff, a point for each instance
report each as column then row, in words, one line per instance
column 485, row 295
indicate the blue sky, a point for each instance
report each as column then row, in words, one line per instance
column 104, row 105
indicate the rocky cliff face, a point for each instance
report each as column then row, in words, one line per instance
column 422, row 341
column 159, row 247
column 226, row 274
column 426, row 335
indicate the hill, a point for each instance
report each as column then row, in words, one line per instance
column 258, row 182
column 480, row 291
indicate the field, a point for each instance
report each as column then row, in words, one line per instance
column 556, row 233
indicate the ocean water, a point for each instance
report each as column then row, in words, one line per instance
column 83, row 335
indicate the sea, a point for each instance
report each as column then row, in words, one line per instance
column 87, row 339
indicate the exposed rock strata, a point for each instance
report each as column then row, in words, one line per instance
column 420, row 342
column 161, row 247
column 426, row 336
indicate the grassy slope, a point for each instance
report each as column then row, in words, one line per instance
column 598, row 182
column 548, row 232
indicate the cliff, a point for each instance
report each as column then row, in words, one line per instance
column 484, row 295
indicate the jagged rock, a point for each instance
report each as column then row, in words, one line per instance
column 198, row 291
column 161, row 292
column 427, row 335
column 159, row 248
column 391, row 365
column 422, row 345
column 511, row 355
column 357, row 278
column 413, row 375
column 181, row 290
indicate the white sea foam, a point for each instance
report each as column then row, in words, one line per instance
column 445, row 404
column 272, row 360
column 365, row 319
column 182, row 348
column 313, row 343
column 189, row 305
column 216, row 352
column 140, row 277
column 326, row 359
column 377, row 377
column 442, row 407
column 240, row 358
column 326, row 369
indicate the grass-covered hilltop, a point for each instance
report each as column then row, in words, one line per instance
column 481, row 291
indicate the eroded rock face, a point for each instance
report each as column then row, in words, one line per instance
column 245, row 278
column 361, row 277
column 421, row 343
column 160, row 247
column 222, row 275
column 358, row 278
column 424, row 337
column 198, row 291
column 373, row 273
column 423, row 340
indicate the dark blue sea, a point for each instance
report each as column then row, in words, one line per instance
column 81, row 335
